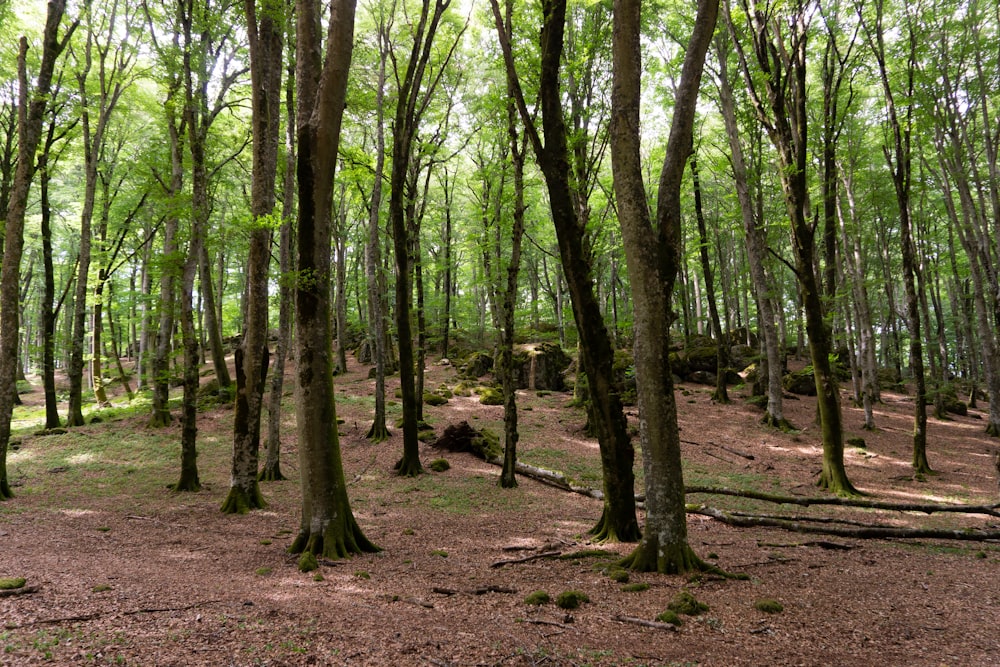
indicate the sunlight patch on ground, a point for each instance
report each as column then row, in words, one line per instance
column 77, row 512
column 81, row 458
column 21, row 456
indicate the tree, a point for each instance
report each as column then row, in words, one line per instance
column 898, row 159
column 328, row 526
column 265, row 30
column 31, row 112
column 652, row 251
column 551, row 150
column 413, row 95
column 779, row 95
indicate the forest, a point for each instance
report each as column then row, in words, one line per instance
column 483, row 298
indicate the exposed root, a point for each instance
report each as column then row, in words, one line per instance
column 409, row 466
column 271, row 473
column 241, row 501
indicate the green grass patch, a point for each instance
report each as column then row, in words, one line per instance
column 571, row 599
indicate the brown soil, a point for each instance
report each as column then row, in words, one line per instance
column 166, row 579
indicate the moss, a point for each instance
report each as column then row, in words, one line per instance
column 637, row 587
column 979, row 554
column 537, row 598
column 586, row 553
column 491, row 396
column 439, row 465
column 263, row 571
column 670, row 617
column 857, row 442
column 308, row 562
column 101, row 588
column 266, row 542
column 408, row 531
column 440, row 552
column 434, row 399
column 768, row 606
column 319, row 577
column 571, row 599
column 617, row 573
column 427, row 435
column 10, row 583
column 363, row 574
column 685, row 603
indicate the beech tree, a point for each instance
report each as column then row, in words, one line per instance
column 328, row 527
column 652, row 249
column 32, row 103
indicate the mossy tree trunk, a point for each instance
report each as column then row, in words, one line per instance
column 508, row 479
column 413, row 96
column 328, row 527
column 265, row 33
column 618, row 519
column 782, row 110
column 898, row 159
column 756, row 242
column 379, row 431
column 653, row 252
column 31, row 111
column 189, row 480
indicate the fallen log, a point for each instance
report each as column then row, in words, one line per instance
column 861, row 532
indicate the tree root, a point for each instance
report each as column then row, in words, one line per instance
column 240, row 501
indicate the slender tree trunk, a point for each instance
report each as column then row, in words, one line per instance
column 756, row 242
column 271, row 471
column 618, row 520
column 29, row 126
column 720, row 395
column 379, row 431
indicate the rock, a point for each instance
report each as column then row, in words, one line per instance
column 801, row 382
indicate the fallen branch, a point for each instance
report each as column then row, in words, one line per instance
column 89, row 617
column 513, row 561
column 481, row 590
column 926, row 508
column 551, row 477
column 542, row 621
column 643, row 622
column 23, row 590
column 868, row 532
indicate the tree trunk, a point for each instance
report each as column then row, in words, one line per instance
column 720, row 395
column 29, row 125
column 379, row 431
column 328, row 527
column 756, row 243
column 652, row 249
column 271, row 472
column 189, row 480
column 618, row 520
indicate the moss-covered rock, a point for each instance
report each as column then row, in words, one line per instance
column 769, row 606
column 571, row 599
column 685, row 603
column 11, row 583
column 434, row 399
column 491, row 396
column 476, row 365
column 670, row 617
column 439, row 465
column 462, row 437
column 537, row 598
column 800, row 382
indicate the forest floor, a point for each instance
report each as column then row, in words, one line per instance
column 126, row 572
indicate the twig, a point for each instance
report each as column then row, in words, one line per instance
column 643, row 622
column 542, row 621
column 547, row 554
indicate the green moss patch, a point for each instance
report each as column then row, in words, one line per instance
column 670, row 617
column 439, row 465
column 685, row 603
column 537, row 598
column 308, row 562
column 571, row 599
column 10, row 583
column 637, row 587
column 769, row 606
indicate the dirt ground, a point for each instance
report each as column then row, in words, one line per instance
column 157, row 578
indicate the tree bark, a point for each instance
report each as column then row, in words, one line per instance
column 652, row 250
column 30, row 116
column 618, row 520
column 328, row 527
